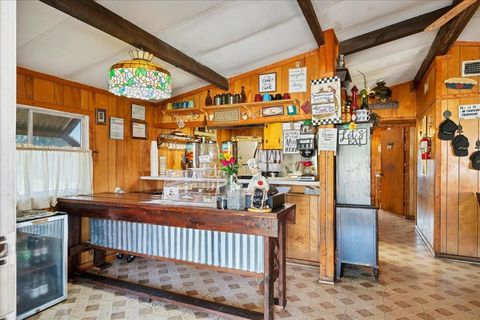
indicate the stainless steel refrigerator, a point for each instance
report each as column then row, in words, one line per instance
column 41, row 264
column 356, row 217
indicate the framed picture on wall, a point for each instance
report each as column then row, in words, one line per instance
column 267, row 82
column 101, row 116
column 138, row 112
column 139, row 130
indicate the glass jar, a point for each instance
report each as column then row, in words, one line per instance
column 235, row 194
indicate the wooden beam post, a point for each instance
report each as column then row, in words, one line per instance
column 309, row 14
column 390, row 33
column 446, row 37
column 109, row 22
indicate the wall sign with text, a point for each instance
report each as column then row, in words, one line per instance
column 469, row 111
column 327, row 139
column 297, row 80
column 326, row 101
column 290, row 141
column 352, row 137
column 267, row 82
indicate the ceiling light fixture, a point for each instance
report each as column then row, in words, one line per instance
column 140, row 78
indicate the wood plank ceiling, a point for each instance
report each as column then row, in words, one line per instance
column 230, row 37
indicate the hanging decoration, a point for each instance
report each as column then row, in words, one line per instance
column 140, row 78
column 381, row 91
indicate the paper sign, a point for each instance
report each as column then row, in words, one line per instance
column 327, row 139
column 469, row 111
column 352, row 137
column 170, row 193
column 116, row 128
column 326, row 100
column 297, row 80
column 290, row 141
column 138, row 112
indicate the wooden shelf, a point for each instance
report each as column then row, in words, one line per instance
column 178, row 111
column 261, row 120
column 246, row 105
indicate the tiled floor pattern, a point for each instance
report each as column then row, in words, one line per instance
column 412, row 285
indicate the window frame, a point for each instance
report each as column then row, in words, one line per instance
column 84, row 124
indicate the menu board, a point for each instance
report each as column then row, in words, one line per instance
column 290, row 141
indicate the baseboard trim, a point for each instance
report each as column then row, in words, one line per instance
column 425, row 241
column 458, row 258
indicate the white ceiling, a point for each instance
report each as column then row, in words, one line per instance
column 230, row 37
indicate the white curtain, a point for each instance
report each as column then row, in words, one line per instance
column 44, row 175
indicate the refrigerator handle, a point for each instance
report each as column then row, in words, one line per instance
column 3, row 250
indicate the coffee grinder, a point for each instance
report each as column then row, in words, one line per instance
column 307, row 147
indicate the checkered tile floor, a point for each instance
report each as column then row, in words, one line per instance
column 412, row 285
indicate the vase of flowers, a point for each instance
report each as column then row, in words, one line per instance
column 235, row 197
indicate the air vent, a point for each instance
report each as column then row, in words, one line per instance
column 471, row 68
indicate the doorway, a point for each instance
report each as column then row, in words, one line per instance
column 393, row 169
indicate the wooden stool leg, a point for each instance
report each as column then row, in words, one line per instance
column 268, row 278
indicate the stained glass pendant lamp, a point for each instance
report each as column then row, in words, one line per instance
column 140, row 78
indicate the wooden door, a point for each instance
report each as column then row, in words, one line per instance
column 7, row 160
column 393, row 168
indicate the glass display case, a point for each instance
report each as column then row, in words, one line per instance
column 194, row 187
column 41, row 264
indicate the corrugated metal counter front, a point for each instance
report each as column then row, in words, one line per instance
column 215, row 248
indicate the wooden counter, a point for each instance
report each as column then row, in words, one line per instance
column 137, row 207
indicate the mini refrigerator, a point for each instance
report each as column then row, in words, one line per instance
column 356, row 217
column 41, row 264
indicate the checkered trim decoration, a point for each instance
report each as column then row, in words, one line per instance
column 324, row 80
column 317, row 122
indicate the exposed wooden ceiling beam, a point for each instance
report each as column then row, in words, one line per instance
column 109, row 22
column 390, row 33
column 452, row 13
column 446, row 37
column 311, row 17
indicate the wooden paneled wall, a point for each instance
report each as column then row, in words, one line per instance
column 448, row 213
column 404, row 93
column 459, row 210
column 117, row 163
column 320, row 63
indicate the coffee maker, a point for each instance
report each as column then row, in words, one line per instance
column 307, row 147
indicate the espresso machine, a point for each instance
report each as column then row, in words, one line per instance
column 307, row 147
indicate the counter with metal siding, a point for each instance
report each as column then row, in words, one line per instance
column 215, row 248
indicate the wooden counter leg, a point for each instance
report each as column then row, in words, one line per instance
column 282, row 264
column 74, row 239
column 99, row 259
column 268, row 279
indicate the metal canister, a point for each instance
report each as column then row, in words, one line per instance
column 229, row 99
column 217, row 100
column 224, row 99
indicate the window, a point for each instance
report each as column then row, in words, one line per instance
column 41, row 127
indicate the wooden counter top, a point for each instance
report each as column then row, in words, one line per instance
column 138, row 207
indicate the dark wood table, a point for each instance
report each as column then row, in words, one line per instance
column 134, row 207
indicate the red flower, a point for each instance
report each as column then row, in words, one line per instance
column 224, row 163
column 260, row 182
column 232, row 160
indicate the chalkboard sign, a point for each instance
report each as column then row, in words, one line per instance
column 257, row 201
